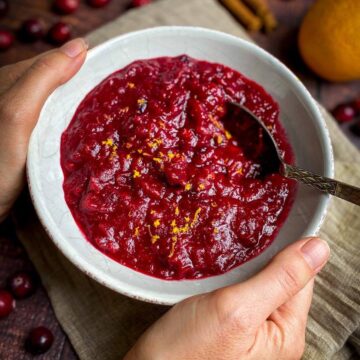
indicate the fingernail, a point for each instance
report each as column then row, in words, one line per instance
column 74, row 47
column 316, row 252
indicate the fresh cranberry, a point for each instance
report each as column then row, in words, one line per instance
column 66, row 6
column 22, row 285
column 344, row 113
column 7, row 303
column 137, row 3
column 356, row 106
column 6, row 39
column 4, row 7
column 98, row 3
column 39, row 340
column 59, row 33
column 31, row 30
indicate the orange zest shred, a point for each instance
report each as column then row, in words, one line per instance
column 174, row 241
column 154, row 238
column 123, row 110
column 113, row 152
column 187, row 186
column 141, row 101
column 175, row 229
column 228, row 135
column 136, row 174
column 181, row 229
column 136, row 233
column 155, row 143
column 177, row 211
column 157, row 223
column 196, row 215
column 130, row 85
column 219, row 138
column 215, row 122
column 108, row 142
column 184, row 229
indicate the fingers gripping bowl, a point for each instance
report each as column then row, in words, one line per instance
column 299, row 116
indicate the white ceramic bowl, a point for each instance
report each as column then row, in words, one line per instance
column 299, row 114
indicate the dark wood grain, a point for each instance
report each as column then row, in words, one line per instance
column 29, row 313
column 84, row 20
column 37, row 309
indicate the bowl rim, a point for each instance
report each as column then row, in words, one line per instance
column 93, row 272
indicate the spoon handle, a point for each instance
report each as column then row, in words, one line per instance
column 330, row 186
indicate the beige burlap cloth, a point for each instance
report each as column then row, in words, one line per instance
column 103, row 325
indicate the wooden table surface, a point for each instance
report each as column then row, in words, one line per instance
column 37, row 309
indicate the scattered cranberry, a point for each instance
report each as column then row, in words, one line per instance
column 344, row 113
column 39, row 340
column 6, row 39
column 137, row 3
column 98, row 3
column 66, row 6
column 31, row 30
column 7, row 303
column 4, row 7
column 59, row 33
column 22, row 285
column 356, row 106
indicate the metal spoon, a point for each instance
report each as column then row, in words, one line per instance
column 330, row 186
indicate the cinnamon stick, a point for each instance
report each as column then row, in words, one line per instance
column 243, row 14
column 261, row 9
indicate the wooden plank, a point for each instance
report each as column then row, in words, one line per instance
column 84, row 20
column 32, row 312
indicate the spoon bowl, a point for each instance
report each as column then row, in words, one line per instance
column 277, row 164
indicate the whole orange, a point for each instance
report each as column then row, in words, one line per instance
column 329, row 39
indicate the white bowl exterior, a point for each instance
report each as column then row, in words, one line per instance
column 299, row 115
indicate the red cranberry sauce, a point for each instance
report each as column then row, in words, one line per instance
column 163, row 177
